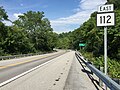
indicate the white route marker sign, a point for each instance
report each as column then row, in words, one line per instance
column 106, row 8
column 106, row 16
column 106, row 19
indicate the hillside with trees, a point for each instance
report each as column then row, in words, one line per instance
column 92, row 35
column 31, row 33
column 93, row 38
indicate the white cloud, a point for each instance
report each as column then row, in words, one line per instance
column 85, row 8
column 12, row 18
column 69, row 23
column 8, row 23
column 73, row 19
column 16, row 15
column 65, row 28
column 21, row 4
column 90, row 5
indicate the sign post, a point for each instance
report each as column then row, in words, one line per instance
column 105, row 17
column 81, row 45
column 105, row 49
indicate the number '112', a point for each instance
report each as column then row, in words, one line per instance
column 105, row 19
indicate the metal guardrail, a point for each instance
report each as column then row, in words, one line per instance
column 107, row 80
column 17, row 56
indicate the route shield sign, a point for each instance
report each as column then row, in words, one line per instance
column 106, row 19
column 105, row 15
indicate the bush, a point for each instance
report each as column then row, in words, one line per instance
column 113, row 65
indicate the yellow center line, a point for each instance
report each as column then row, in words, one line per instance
column 18, row 63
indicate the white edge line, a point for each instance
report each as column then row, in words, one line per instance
column 24, row 73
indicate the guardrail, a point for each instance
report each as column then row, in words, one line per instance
column 107, row 80
column 22, row 55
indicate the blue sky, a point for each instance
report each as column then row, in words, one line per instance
column 64, row 15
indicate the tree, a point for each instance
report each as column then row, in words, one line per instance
column 3, row 31
column 37, row 28
column 3, row 14
column 30, row 33
column 115, row 2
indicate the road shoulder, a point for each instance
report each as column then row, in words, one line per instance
column 78, row 79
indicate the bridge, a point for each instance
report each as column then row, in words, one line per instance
column 62, row 70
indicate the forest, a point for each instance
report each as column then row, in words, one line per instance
column 32, row 33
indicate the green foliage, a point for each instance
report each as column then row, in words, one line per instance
column 3, row 15
column 30, row 33
column 115, row 2
column 113, row 65
column 113, row 68
column 17, row 41
column 38, row 30
column 64, row 41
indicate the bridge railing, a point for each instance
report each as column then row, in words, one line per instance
column 107, row 80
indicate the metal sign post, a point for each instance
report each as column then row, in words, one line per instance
column 81, row 45
column 105, row 17
column 105, row 49
column 105, row 52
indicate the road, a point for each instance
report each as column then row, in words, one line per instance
column 14, row 67
column 55, row 71
column 51, row 76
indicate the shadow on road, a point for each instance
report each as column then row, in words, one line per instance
column 89, row 73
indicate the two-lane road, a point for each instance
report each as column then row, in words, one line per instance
column 12, row 68
column 50, row 76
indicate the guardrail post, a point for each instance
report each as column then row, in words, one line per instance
column 91, row 64
column 100, row 81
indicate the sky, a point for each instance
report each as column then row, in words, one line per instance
column 64, row 15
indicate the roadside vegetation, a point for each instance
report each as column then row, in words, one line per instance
column 31, row 33
column 93, row 38
column 113, row 64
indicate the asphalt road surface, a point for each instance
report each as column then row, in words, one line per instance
column 12, row 68
column 51, row 76
column 55, row 71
